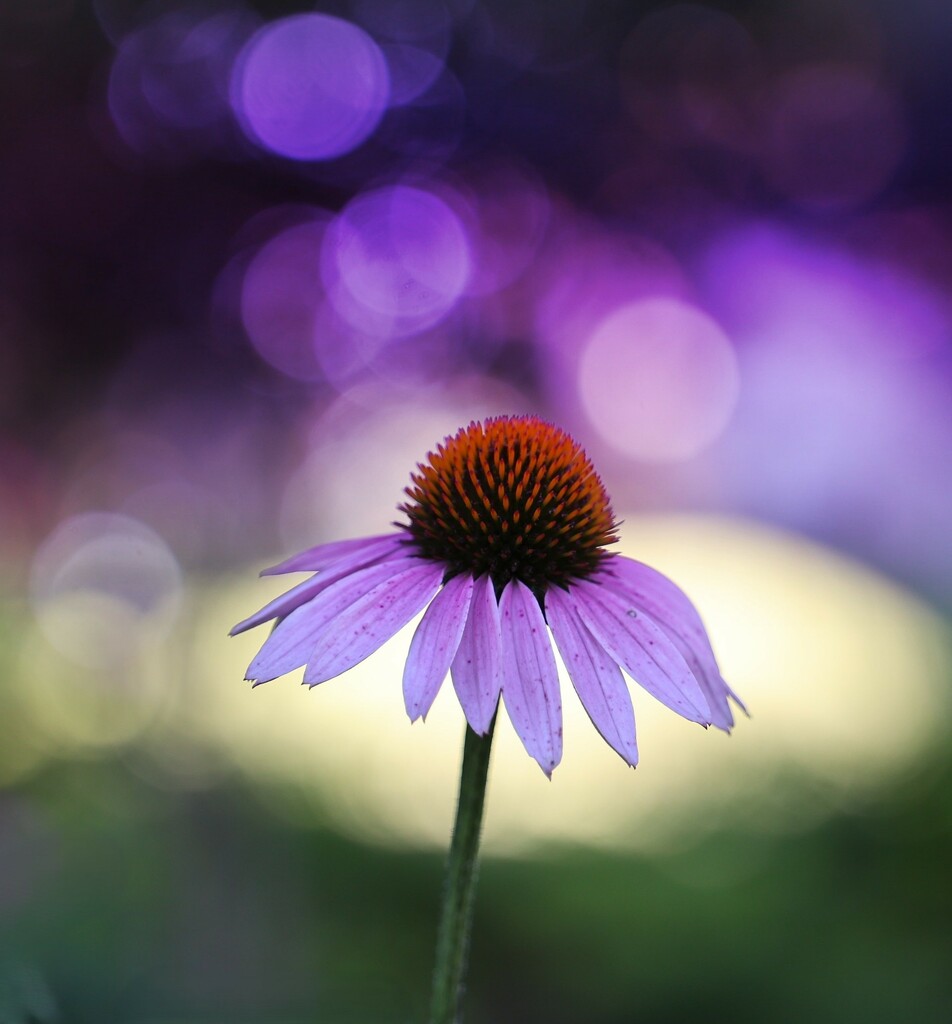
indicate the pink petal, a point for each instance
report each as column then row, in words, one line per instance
column 369, row 551
column 597, row 679
column 285, row 604
column 293, row 640
column 530, row 685
column 362, row 550
column 434, row 645
column 372, row 619
column 477, row 667
column 673, row 611
column 642, row 649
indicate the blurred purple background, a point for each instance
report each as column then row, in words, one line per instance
column 256, row 258
column 713, row 243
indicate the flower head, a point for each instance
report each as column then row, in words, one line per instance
column 507, row 524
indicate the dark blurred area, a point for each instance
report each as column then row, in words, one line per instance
column 132, row 905
column 254, row 259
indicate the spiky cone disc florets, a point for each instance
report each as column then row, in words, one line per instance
column 515, row 498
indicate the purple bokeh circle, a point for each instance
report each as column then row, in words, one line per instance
column 395, row 261
column 310, row 87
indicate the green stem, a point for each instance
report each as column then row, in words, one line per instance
column 456, row 917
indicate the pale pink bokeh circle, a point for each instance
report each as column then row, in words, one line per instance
column 658, row 380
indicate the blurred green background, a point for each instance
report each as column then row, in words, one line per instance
column 126, row 903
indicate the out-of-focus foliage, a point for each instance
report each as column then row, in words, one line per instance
column 136, row 905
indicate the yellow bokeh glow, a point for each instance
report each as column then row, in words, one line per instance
column 841, row 669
